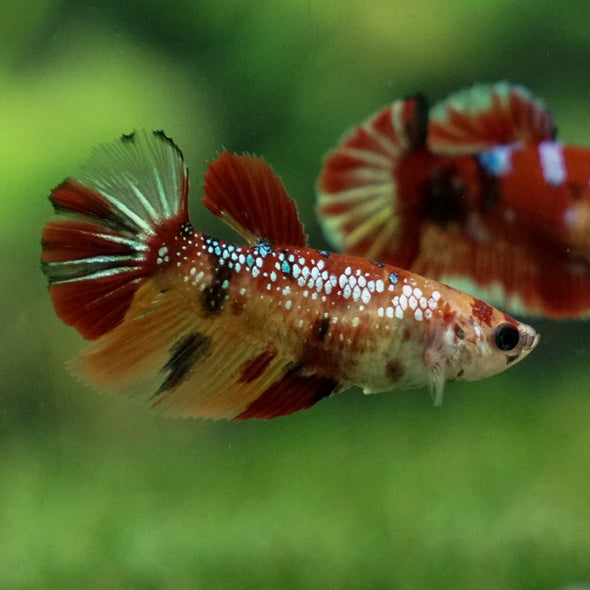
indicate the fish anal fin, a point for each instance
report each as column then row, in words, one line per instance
column 291, row 393
column 181, row 361
column 484, row 116
column 244, row 192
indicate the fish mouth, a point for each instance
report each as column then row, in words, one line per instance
column 531, row 339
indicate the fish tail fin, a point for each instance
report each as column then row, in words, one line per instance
column 112, row 221
column 357, row 192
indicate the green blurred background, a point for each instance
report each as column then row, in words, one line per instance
column 491, row 491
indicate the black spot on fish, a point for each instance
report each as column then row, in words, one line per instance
column 416, row 127
column 443, row 200
column 184, row 354
column 394, row 370
column 320, row 328
column 576, row 190
column 510, row 358
column 213, row 296
column 459, row 331
column 377, row 263
column 187, row 228
column 293, row 369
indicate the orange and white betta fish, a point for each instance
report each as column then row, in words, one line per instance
column 474, row 191
column 200, row 327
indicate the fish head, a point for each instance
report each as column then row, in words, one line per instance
column 484, row 342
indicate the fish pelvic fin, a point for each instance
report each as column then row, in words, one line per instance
column 112, row 218
column 244, row 192
column 358, row 199
column 485, row 116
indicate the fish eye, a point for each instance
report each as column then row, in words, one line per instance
column 507, row 337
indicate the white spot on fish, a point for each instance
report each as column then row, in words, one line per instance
column 552, row 162
column 366, row 296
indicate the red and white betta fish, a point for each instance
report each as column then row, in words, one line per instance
column 474, row 191
column 200, row 327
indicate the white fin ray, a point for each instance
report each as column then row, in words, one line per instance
column 152, row 181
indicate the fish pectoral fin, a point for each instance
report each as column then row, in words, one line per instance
column 436, row 383
column 434, row 364
column 485, row 116
column 244, row 192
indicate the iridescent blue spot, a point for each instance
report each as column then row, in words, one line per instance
column 263, row 249
column 286, row 267
column 498, row 160
column 217, row 250
column 393, row 279
column 377, row 263
column 250, row 261
column 324, row 253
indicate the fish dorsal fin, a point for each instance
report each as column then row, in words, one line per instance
column 357, row 192
column 484, row 116
column 244, row 192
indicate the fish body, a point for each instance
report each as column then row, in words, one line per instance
column 201, row 327
column 475, row 191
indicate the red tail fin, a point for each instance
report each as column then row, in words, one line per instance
column 132, row 195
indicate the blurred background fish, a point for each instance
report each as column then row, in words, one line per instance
column 475, row 191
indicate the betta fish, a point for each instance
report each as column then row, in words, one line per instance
column 196, row 326
column 475, row 192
